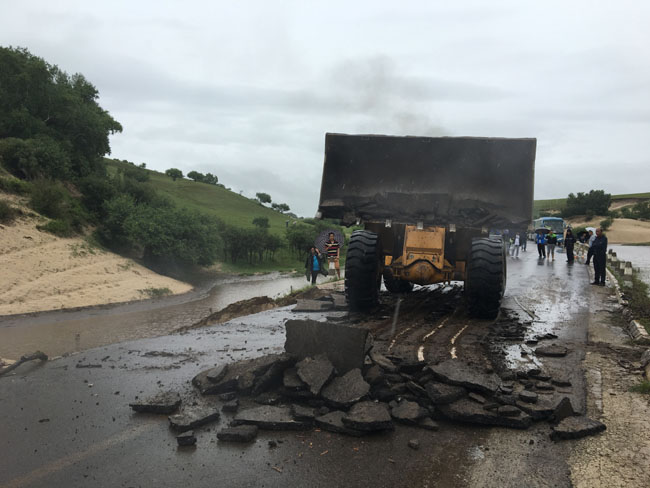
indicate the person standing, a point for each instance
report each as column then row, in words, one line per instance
column 515, row 246
column 524, row 240
column 541, row 245
column 599, row 253
column 569, row 242
column 333, row 250
column 590, row 252
column 314, row 264
column 551, row 242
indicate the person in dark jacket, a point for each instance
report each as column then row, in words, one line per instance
column 540, row 239
column 314, row 264
column 599, row 254
column 569, row 242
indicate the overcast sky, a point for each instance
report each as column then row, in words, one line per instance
column 247, row 90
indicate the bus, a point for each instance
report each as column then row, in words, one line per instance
column 556, row 224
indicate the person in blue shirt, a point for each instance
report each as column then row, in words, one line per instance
column 541, row 245
column 314, row 264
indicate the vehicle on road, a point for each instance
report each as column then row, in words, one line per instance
column 556, row 224
column 426, row 205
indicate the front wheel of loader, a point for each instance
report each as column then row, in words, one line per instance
column 485, row 281
column 363, row 267
column 395, row 285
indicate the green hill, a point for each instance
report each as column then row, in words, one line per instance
column 232, row 208
column 555, row 205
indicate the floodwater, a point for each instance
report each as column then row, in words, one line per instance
column 638, row 255
column 61, row 332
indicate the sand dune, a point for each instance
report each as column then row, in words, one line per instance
column 622, row 231
column 43, row 272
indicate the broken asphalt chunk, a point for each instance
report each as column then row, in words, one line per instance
column 308, row 305
column 240, row 433
column 408, row 412
column 315, row 372
column 291, row 380
column 381, row 360
column 269, row 417
column 441, row 393
column 346, row 390
column 230, row 406
column 455, row 372
column 302, row 413
column 465, row 410
column 217, row 373
column 576, row 427
column 333, row 422
column 192, row 418
column 368, row 417
column 186, row 438
column 563, row 409
column 552, row 351
column 165, row 403
column 239, row 375
column 428, row 424
column 528, row 396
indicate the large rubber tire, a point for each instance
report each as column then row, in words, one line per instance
column 395, row 285
column 363, row 267
column 485, row 281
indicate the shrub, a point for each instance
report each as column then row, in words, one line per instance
column 47, row 198
column 7, row 212
column 57, row 227
column 606, row 224
column 14, row 185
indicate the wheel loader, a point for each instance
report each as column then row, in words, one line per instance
column 427, row 206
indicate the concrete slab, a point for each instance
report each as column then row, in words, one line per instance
column 343, row 345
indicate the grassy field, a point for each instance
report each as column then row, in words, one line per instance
column 233, row 209
column 557, row 204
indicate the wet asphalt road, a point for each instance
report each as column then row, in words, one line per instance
column 68, row 426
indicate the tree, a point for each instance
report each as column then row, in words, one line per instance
column 210, row 179
column 596, row 202
column 196, row 176
column 50, row 122
column 263, row 197
column 283, row 207
column 174, row 173
column 261, row 222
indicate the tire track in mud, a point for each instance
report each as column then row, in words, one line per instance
column 428, row 326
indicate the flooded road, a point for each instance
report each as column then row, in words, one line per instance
column 82, row 433
column 61, row 332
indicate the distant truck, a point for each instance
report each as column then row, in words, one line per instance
column 426, row 205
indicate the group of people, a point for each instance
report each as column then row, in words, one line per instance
column 546, row 244
column 315, row 263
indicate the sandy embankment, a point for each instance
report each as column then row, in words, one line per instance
column 622, row 231
column 42, row 272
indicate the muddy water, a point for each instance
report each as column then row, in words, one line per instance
column 61, row 332
column 638, row 255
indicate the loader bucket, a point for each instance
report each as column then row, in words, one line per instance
column 471, row 182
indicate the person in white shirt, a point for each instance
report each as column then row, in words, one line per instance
column 515, row 246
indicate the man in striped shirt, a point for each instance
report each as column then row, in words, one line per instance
column 333, row 248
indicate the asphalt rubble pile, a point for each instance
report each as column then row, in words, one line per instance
column 365, row 394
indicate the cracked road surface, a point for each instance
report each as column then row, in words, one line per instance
column 65, row 425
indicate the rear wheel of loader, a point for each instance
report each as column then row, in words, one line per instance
column 395, row 285
column 486, row 277
column 363, row 266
